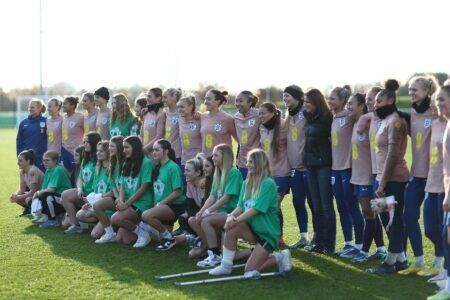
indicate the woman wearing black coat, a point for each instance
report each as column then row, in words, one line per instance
column 318, row 161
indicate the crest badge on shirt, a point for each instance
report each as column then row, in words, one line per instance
column 192, row 126
column 427, row 123
column 218, row 127
column 42, row 124
column 151, row 123
column 361, row 136
column 251, row 122
column 342, row 122
column 71, row 124
column 104, row 120
column 174, row 121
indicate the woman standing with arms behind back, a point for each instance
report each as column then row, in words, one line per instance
column 317, row 160
column 54, row 125
column 32, row 133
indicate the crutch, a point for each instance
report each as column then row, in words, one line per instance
column 228, row 278
column 163, row 277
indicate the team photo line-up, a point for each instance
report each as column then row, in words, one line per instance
column 135, row 173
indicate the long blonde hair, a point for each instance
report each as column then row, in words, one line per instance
column 262, row 170
column 220, row 174
column 122, row 111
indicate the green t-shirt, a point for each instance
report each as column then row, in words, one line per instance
column 57, row 179
column 135, row 129
column 116, row 177
column 121, row 128
column 232, row 188
column 87, row 172
column 102, row 182
column 169, row 179
column 131, row 185
column 267, row 224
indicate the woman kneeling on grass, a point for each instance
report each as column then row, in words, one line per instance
column 102, row 189
column 135, row 195
column 31, row 178
column 169, row 198
column 75, row 198
column 223, row 199
column 256, row 220
column 56, row 180
column 106, row 206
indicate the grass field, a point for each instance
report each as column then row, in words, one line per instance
column 38, row 263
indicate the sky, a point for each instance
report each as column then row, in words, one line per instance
column 236, row 44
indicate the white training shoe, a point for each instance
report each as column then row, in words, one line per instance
column 73, row 229
column 42, row 218
column 441, row 284
column 106, row 238
column 441, row 276
column 284, row 261
column 222, row 269
column 252, row 275
column 212, row 260
column 143, row 239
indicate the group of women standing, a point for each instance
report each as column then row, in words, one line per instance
column 139, row 172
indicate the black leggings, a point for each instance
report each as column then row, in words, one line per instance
column 50, row 205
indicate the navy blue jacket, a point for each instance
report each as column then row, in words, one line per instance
column 32, row 134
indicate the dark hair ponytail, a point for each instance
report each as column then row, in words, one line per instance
column 277, row 124
column 361, row 100
column 220, row 96
column 28, row 155
column 251, row 98
column 165, row 145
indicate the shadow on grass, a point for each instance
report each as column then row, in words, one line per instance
column 313, row 277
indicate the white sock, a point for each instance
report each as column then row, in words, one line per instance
column 166, row 235
column 391, row 258
column 109, row 230
column 349, row 243
column 228, row 256
column 438, row 261
column 419, row 261
column 136, row 230
column 401, row 257
column 358, row 246
column 447, row 284
column 304, row 235
column 381, row 249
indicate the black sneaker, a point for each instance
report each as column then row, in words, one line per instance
column 309, row 247
column 319, row 250
column 384, row 268
column 401, row 265
column 26, row 212
column 166, row 244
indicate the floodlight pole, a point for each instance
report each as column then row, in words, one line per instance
column 41, row 91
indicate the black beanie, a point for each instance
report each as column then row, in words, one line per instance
column 295, row 91
column 102, row 92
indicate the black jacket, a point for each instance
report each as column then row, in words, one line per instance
column 318, row 141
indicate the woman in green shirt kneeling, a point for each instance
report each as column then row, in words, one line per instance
column 227, row 182
column 256, row 220
column 105, row 207
column 56, row 181
column 73, row 199
column 135, row 190
column 169, row 198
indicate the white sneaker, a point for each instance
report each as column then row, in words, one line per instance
column 143, row 239
column 42, row 218
column 441, row 276
column 106, row 238
column 252, row 275
column 212, row 260
column 74, row 229
column 223, row 269
column 284, row 260
column 441, row 284
column 154, row 234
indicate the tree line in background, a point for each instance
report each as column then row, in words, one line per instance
column 272, row 93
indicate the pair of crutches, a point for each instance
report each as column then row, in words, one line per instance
column 214, row 280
